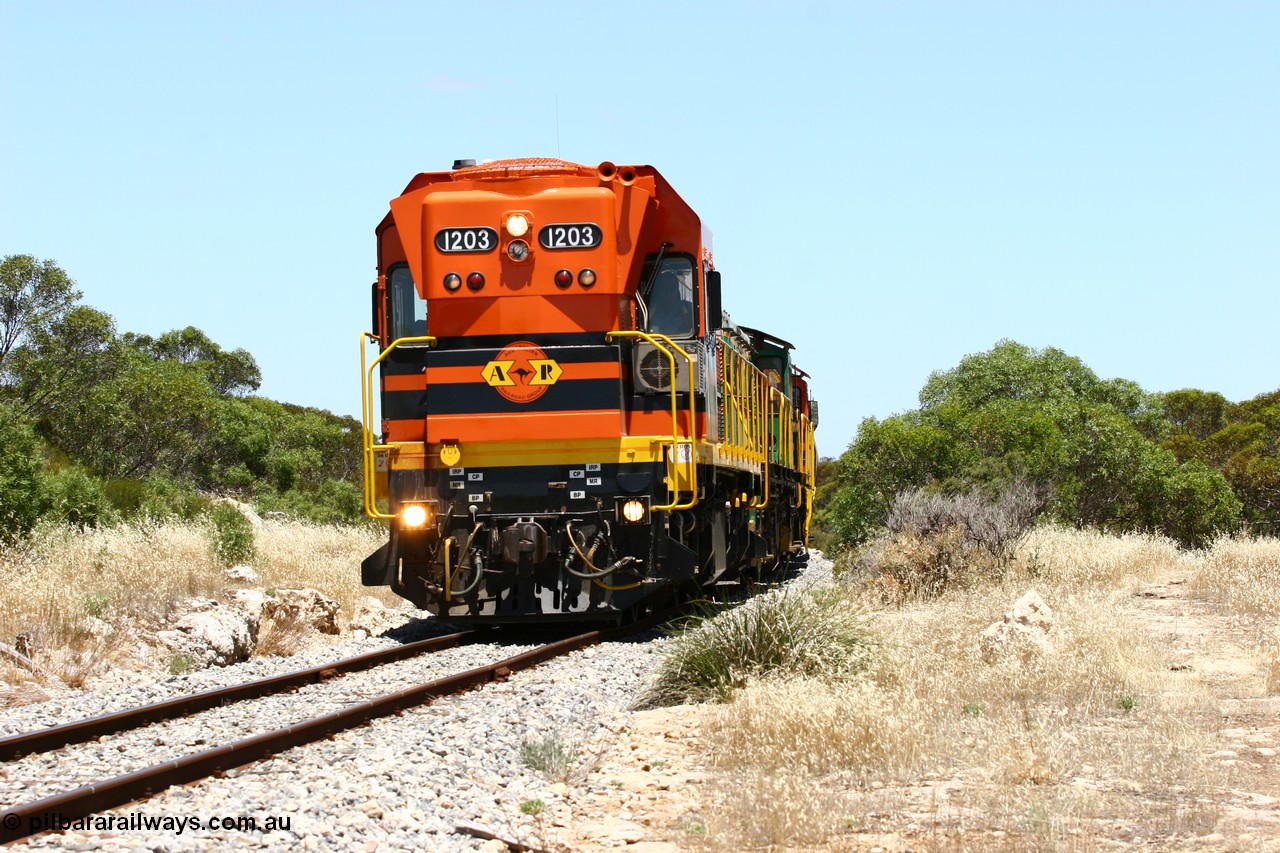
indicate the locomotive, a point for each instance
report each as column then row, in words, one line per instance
column 571, row 426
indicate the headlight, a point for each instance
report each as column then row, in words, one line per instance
column 414, row 515
column 517, row 225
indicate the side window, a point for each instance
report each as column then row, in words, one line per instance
column 671, row 302
column 406, row 312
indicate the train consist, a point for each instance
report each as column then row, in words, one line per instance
column 571, row 426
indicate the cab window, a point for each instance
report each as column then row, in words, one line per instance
column 406, row 311
column 671, row 303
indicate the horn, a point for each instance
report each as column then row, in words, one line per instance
column 607, row 171
column 627, row 176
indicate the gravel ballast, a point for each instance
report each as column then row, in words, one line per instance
column 399, row 783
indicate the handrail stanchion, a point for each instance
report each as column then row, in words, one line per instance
column 656, row 341
column 366, row 416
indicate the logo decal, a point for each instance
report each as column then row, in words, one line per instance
column 522, row 372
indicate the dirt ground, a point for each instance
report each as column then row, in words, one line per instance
column 652, row 791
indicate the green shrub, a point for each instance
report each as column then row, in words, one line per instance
column 73, row 496
column 933, row 542
column 20, row 465
column 332, row 502
column 232, row 535
column 96, row 603
column 167, row 498
column 550, row 757
column 126, row 495
column 817, row 632
column 180, row 663
column 155, row 497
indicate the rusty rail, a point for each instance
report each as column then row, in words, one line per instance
column 83, row 731
column 115, row 792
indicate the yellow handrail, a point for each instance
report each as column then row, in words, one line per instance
column 366, row 415
column 657, row 341
column 743, row 384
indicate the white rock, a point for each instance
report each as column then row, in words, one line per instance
column 1022, row 633
column 95, row 627
column 242, row 573
column 373, row 617
column 304, row 606
column 251, row 601
column 218, row 636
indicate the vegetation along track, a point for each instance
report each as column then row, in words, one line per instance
column 119, row 790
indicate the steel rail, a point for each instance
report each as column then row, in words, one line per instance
column 115, row 792
column 83, row 731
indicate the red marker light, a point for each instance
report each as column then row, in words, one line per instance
column 564, row 278
column 475, row 281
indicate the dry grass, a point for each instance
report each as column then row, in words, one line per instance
column 1243, row 574
column 1093, row 740
column 130, row 576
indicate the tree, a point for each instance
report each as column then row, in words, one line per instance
column 1015, row 413
column 33, row 296
column 59, row 361
column 21, row 464
column 232, row 373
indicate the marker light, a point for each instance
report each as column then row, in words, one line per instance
column 518, row 250
column 414, row 515
column 587, row 277
column 633, row 510
column 564, row 278
column 452, row 282
column 475, row 281
column 517, row 225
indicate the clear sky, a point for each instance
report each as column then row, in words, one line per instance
column 891, row 185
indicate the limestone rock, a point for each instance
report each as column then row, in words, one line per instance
column 217, row 635
column 95, row 627
column 251, row 601
column 1022, row 633
column 374, row 618
column 242, row 573
column 27, row 693
column 303, row 607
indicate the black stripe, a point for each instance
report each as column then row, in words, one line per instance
column 404, row 405
column 662, row 403
column 565, row 396
column 562, row 355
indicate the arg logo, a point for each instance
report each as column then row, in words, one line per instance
column 522, row 372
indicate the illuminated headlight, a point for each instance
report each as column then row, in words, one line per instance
column 414, row 515
column 633, row 510
column 517, row 225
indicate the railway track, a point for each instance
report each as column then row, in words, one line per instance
column 119, row 790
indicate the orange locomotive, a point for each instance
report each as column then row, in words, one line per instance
column 571, row 426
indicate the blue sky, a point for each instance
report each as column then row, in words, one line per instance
column 891, row 185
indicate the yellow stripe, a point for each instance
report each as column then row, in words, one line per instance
column 410, row 455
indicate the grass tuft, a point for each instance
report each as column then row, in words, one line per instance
column 816, row 632
column 551, row 757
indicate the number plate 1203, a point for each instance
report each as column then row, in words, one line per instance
column 463, row 240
